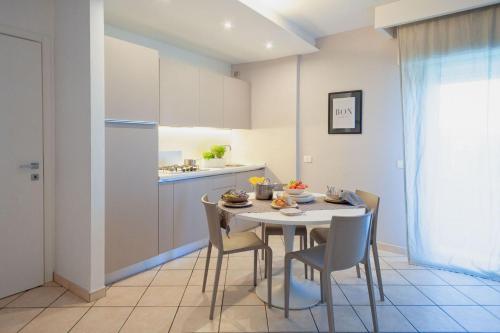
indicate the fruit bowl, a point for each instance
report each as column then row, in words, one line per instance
column 294, row 191
column 234, row 196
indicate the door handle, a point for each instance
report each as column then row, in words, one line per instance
column 30, row 166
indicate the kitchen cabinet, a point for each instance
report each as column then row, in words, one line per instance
column 236, row 103
column 179, row 93
column 131, row 81
column 242, row 179
column 211, row 111
column 131, row 194
column 166, row 217
column 190, row 223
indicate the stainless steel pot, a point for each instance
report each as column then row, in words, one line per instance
column 264, row 191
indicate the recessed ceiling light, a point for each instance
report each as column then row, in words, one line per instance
column 269, row 45
column 228, row 25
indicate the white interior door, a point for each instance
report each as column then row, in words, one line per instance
column 21, row 168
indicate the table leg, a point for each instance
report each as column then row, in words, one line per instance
column 303, row 293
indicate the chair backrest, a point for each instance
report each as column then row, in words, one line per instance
column 213, row 220
column 348, row 241
column 373, row 202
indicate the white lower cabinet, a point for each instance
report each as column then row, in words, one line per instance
column 165, row 217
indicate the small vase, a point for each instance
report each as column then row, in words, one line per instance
column 214, row 163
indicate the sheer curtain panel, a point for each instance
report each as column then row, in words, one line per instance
column 450, row 72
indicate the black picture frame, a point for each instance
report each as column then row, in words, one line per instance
column 358, row 106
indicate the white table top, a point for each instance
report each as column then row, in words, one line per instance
column 312, row 217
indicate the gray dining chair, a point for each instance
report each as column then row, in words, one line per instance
column 372, row 201
column 347, row 244
column 236, row 242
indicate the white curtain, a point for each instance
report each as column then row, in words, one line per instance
column 450, row 71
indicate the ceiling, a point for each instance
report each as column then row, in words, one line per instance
column 291, row 26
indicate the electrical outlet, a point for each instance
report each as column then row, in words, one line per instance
column 308, row 159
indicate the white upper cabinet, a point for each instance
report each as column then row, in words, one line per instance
column 179, row 93
column 132, row 81
column 211, row 99
column 236, row 103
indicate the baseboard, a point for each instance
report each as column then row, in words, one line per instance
column 392, row 248
column 79, row 291
column 155, row 261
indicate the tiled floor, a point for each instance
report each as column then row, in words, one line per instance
column 169, row 299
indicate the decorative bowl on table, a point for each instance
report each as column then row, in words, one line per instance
column 283, row 202
column 295, row 187
column 235, row 196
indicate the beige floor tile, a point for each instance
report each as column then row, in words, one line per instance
column 242, row 277
column 243, row 319
column 457, row 279
column 139, row 280
column 102, row 320
column 404, row 295
column 193, row 254
column 241, row 263
column 68, row 299
column 422, row 277
column 482, row 295
column 37, row 297
column 345, row 318
column 174, row 277
column 200, row 264
column 297, row 321
column 430, row 319
column 54, row 320
column 162, row 296
column 195, row 319
column 389, row 319
column 6, row 300
column 180, row 263
column 401, row 263
column 473, row 318
column 194, row 297
column 241, row 295
column 445, row 295
column 197, row 278
column 121, row 296
column 150, row 320
column 12, row 320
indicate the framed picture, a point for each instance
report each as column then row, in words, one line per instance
column 344, row 112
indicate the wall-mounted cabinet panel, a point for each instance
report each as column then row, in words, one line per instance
column 166, row 217
column 132, row 81
column 236, row 103
column 131, row 195
column 211, row 99
column 179, row 93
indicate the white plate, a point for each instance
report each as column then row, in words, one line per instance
column 303, row 194
column 238, row 205
column 291, row 211
column 308, row 198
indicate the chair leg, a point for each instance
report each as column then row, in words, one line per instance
column 327, row 285
column 262, row 234
column 288, row 262
column 305, row 247
column 358, row 271
column 266, row 241
column 255, row 256
column 321, row 287
column 216, row 284
column 311, row 244
column 269, row 269
column 207, row 264
column 369, row 283
column 377, row 270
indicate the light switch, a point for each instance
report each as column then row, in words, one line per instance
column 400, row 164
column 308, row 159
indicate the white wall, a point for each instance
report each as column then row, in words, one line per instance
column 171, row 51
column 79, row 61
column 362, row 59
column 35, row 20
column 274, row 111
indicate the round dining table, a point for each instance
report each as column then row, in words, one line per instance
column 304, row 293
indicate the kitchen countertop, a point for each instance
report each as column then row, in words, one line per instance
column 208, row 172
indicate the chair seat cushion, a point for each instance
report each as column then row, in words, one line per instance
column 313, row 256
column 242, row 241
column 320, row 235
column 277, row 229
